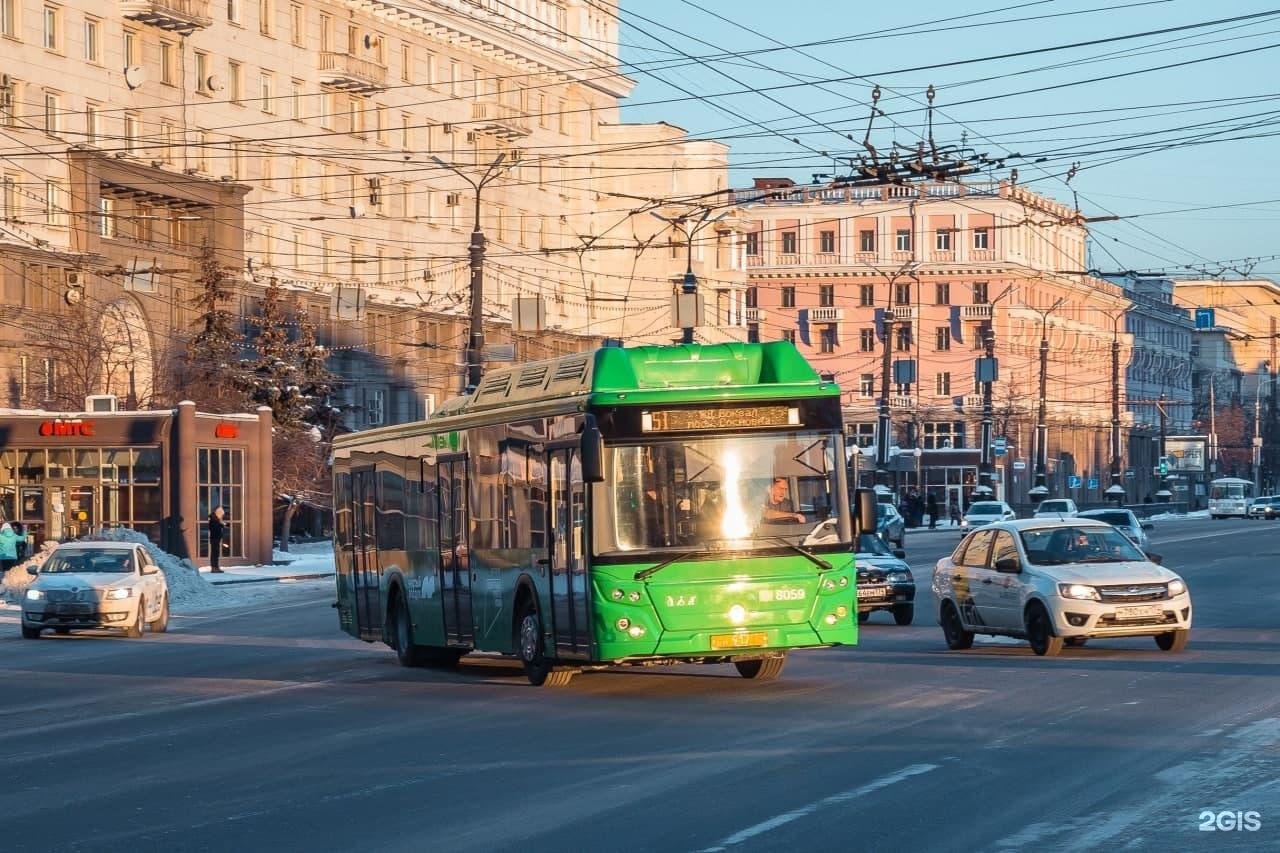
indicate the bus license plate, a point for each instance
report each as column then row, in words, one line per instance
column 872, row 592
column 739, row 641
column 1139, row 611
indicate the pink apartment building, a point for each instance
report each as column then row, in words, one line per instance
column 827, row 266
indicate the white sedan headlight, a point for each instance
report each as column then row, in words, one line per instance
column 1177, row 587
column 120, row 593
column 1078, row 591
column 35, row 595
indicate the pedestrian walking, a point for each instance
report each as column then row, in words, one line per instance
column 931, row 507
column 955, row 513
column 217, row 535
column 21, row 533
column 8, row 547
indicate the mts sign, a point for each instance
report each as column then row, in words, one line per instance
column 67, row 429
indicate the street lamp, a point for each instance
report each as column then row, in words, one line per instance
column 1038, row 492
column 475, row 346
column 687, row 302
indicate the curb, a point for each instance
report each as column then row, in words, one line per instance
column 315, row 576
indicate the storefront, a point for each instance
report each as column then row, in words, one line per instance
column 159, row 472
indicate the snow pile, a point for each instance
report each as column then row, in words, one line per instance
column 16, row 580
column 186, row 585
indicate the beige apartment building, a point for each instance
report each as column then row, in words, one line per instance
column 827, row 266
column 352, row 135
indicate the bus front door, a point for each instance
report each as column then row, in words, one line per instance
column 455, row 559
column 569, row 619
column 365, row 570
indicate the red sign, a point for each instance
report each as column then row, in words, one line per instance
column 226, row 431
column 61, row 428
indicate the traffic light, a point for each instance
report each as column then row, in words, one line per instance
column 1163, row 468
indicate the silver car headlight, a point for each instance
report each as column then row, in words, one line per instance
column 120, row 593
column 899, row 577
column 35, row 595
column 1078, row 591
column 1177, row 587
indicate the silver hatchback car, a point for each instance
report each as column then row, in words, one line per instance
column 1125, row 521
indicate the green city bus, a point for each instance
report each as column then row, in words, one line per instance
column 642, row 505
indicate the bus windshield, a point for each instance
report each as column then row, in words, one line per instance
column 1238, row 491
column 724, row 493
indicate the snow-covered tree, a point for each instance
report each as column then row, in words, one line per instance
column 213, row 373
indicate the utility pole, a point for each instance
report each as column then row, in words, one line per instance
column 688, row 305
column 1039, row 491
column 1163, row 495
column 986, row 374
column 1115, row 491
column 884, row 423
column 1257, row 433
column 475, row 345
column 1271, row 413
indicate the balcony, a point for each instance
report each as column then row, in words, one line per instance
column 788, row 260
column 905, row 313
column 756, row 315
column 902, row 402
column 972, row 402
column 176, row 16
column 826, row 315
column 976, row 312
column 499, row 120
column 351, row 73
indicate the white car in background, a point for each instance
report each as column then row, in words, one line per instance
column 985, row 512
column 1056, row 508
column 96, row 585
column 1056, row 583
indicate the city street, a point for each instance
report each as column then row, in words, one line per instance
column 272, row 730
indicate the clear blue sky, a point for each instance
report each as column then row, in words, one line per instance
column 1190, row 152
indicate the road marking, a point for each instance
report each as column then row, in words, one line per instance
column 818, row 805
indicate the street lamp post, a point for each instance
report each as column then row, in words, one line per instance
column 689, row 284
column 1038, row 492
column 1115, row 492
column 475, row 345
column 986, row 374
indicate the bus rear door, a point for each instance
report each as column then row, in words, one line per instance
column 366, row 572
column 455, row 559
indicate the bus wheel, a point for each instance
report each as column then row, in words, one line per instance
column 533, row 653
column 763, row 669
column 407, row 652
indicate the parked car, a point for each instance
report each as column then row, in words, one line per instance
column 884, row 581
column 890, row 524
column 96, row 585
column 985, row 512
column 1264, row 507
column 1123, row 520
column 1056, row 508
column 1056, row 583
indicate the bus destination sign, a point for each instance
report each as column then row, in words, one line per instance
column 742, row 417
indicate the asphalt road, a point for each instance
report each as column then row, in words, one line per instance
column 271, row 730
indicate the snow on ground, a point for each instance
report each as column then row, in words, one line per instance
column 192, row 589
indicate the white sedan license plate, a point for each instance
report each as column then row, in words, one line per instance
column 873, row 592
column 1138, row 611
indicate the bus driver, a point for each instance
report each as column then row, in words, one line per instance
column 777, row 507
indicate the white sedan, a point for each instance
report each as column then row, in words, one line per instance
column 1056, row 583
column 96, row 585
column 985, row 512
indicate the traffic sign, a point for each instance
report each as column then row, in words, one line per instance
column 1073, row 482
column 1000, row 445
column 1205, row 318
column 1019, row 465
column 1093, row 482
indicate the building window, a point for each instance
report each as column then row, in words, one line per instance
column 202, row 72
column 93, row 40
column 902, row 240
column 406, row 62
column 220, row 482
column 902, row 294
column 827, row 242
column 981, row 238
column 168, row 63
column 131, row 132
column 980, row 293
column 980, row 338
column 788, row 297
column 753, row 242
column 944, row 240
column 92, row 122
column 789, row 242
column 8, row 17
column 129, row 47
column 866, row 241
column 233, row 11
column 753, row 297
column 52, row 28
column 942, row 293
column 867, row 385
column 866, row 295
column 867, row 340
column 789, row 335
column 267, row 91
column 902, row 337
column 942, row 384
column 826, row 295
column 52, row 112
column 54, row 208
column 939, row 435
column 234, row 79
column 943, row 341
column 297, row 25
column 753, row 333
column 106, row 217
column 827, row 338
column 266, row 17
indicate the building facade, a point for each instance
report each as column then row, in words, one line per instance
column 66, row 474
column 358, row 135
column 862, row 278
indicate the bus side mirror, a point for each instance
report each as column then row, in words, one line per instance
column 864, row 511
column 592, row 452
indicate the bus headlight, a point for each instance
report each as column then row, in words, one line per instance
column 636, row 631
